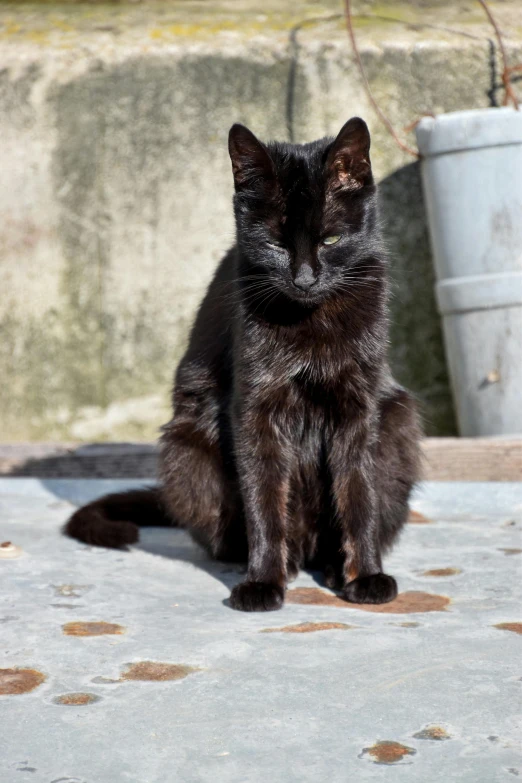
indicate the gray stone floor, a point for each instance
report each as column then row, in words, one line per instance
column 118, row 667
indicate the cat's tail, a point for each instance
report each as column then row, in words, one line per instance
column 114, row 520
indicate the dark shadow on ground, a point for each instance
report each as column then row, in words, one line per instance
column 84, row 461
column 172, row 543
column 177, row 545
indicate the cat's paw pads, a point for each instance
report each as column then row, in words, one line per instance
column 256, row 597
column 374, row 589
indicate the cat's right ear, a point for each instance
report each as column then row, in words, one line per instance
column 348, row 164
column 252, row 165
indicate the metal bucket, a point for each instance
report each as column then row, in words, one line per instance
column 472, row 179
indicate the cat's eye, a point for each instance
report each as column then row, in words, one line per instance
column 331, row 240
column 276, row 246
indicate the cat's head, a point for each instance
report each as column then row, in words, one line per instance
column 306, row 214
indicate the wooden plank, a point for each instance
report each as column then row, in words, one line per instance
column 473, row 459
column 445, row 459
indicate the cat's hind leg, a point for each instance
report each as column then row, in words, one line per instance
column 198, row 491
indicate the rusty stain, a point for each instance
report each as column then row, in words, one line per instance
column 315, row 596
column 13, row 682
column 514, row 627
column 388, row 752
column 405, row 603
column 442, row 572
column 76, row 699
column 71, row 591
column 309, row 628
column 416, row 518
column 408, row 603
column 432, row 733
column 152, row 671
column 510, row 550
column 92, row 628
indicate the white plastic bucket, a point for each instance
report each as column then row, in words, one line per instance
column 472, row 178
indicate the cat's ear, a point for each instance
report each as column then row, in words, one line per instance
column 251, row 162
column 348, row 161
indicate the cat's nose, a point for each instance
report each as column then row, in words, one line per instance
column 305, row 277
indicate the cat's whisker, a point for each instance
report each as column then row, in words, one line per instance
column 270, row 300
column 251, row 290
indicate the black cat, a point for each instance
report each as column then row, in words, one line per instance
column 290, row 443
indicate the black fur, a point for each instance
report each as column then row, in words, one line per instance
column 290, row 443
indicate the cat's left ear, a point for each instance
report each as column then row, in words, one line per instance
column 348, row 162
column 252, row 165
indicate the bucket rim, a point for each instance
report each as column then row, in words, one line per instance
column 469, row 130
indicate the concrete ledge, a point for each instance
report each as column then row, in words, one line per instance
column 115, row 185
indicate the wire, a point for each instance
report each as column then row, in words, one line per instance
column 506, row 77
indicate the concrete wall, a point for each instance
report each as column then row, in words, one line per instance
column 116, row 186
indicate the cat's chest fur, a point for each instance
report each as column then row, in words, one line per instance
column 303, row 379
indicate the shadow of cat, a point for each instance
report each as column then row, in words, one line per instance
column 171, row 543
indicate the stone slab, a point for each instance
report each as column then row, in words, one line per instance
column 417, row 696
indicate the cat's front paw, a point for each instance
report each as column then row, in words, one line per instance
column 256, row 597
column 374, row 589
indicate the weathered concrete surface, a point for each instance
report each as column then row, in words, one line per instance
column 122, row 667
column 115, row 185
